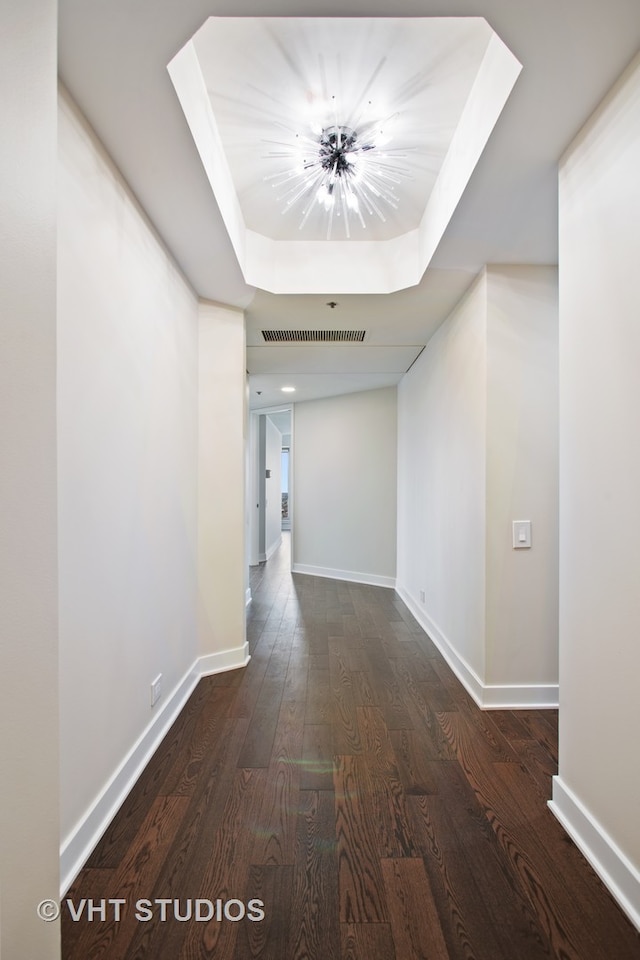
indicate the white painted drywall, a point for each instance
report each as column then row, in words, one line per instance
column 221, row 486
column 600, row 468
column 344, row 474
column 273, row 491
column 442, row 476
column 29, row 828
column 478, row 441
column 522, row 475
column 127, row 428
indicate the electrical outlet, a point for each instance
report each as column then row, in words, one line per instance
column 423, row 596
column 156, row 689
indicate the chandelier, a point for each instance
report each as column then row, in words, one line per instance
column 348, row 172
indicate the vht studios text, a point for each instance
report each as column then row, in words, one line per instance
column 163, row 909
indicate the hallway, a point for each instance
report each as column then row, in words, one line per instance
column 345, row 779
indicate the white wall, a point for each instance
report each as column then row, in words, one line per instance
column 522, row 475
column 273, row 499
column 441, row 480
column 478, row 449
column 597, row 792
column 127, row 429
column 222, row 425
column 344, row 475
column 29, row 829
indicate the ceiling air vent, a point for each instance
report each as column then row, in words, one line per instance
column 313, row 336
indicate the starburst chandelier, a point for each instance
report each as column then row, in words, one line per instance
column 347, row 170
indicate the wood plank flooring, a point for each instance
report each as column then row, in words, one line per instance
column 347, row 781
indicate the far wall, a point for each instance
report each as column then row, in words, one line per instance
column 344, row 483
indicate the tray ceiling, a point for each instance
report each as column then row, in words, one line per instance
column 259, row 94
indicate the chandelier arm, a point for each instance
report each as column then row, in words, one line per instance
column 330, row 221
column 375, row 208
column 393, row 172
column 359, row 213
column 287, row 176
column 300, row 191
column 381, row 188
column 345, row 210
column 306, row 213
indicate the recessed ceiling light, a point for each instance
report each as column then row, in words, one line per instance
column 288, row 389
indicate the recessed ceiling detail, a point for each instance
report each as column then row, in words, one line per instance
column 254, row 90
column 313, row 336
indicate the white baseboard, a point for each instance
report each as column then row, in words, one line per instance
column 520, row 696
column 353, row 576
column 78, row 845
column 224, row 660
column 463, row 671
column 273, row 548
column 614, row 869
column 487, row 696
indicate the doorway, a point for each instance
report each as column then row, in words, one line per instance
column 270, row 481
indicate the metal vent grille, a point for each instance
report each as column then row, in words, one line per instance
column 313, row 336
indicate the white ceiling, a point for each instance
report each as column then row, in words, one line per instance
column 113, row 59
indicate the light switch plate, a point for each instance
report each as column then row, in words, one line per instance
column 521, row 534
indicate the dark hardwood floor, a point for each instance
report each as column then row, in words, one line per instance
column 347, row 781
